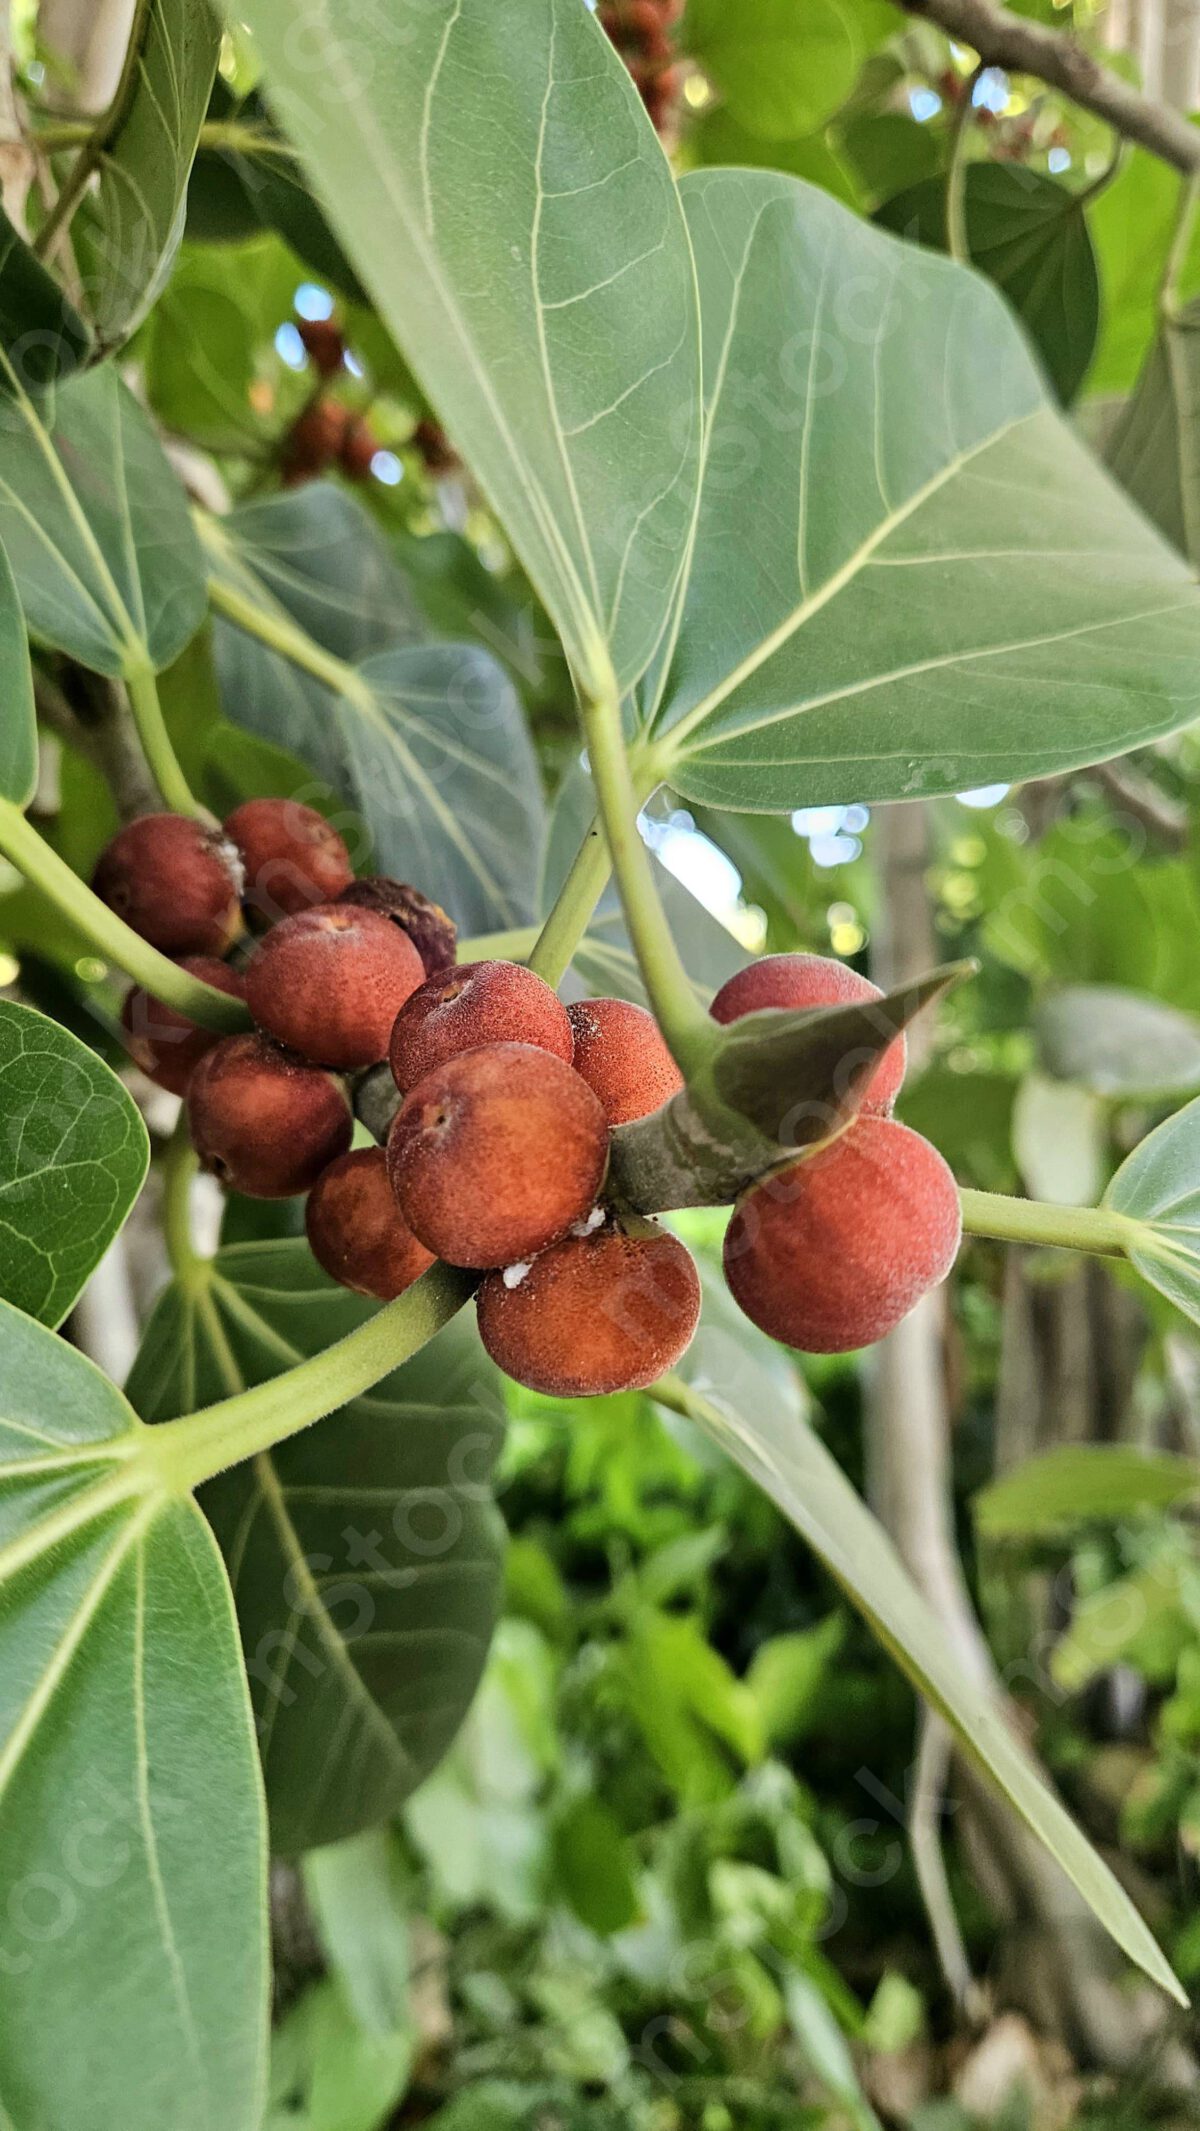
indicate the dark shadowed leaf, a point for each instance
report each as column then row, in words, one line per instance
column 906, row 637
column 1030, row 236
column 73, row 1157
column 1154, row 450
column 364, row 1554
column 132, row 1882
column 41, row 333
column 130, row 224
column 18, row 724
column 97, row 528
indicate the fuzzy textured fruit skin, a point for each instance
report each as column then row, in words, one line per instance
column 432, row 932
column 620, row 1051
column 475, row 1004
column 594, row 1314
column 176, row 883
column 266, row 1124
column 330, row 982
column 496, row 1154
column 830, row 1252
column 797, row 981
column 162, row 1041
column 356, row 1231
column 291, row 857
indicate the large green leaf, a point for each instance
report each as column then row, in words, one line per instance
column 129, row 228
column 1029, row 236
column 18, row 723
column 503, row 197
column 73, row 1157
column 319, row 552
column 364, row 1553
column 133, row 1860
column 97, row 529
column 741, row 1394
column 1154, row 450
column 784, row 66
column 1158, row 1186
column 427, row 743
column 1118, row 1042
column 867, row 616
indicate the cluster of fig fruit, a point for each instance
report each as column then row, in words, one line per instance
column 643, row 33
column 498, row 1156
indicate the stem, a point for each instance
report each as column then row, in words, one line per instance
column 1176, row 259
column 684, row 1023
column 957, row 242
column 514, row 946
column 179, row 1170
column 156, row 743
column 1086, row 1228
column 190, row 1451
column 285, row 636
column 577, row 899
column 112, row 938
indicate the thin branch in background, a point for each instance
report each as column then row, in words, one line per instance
column 90, row 714
column 929, row 1863
column 91, row 154
column 957, row 241
column 1005, row 40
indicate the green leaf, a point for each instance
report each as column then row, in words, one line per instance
column 426, row 743
column 1132, row 224
column 359, row 1894
column 592, row 1865
column 1029, row 236
column 784, row 66
column 134, row 1865
column 232, row 196
column 888, row 150
column 1154, row 450
column 18, row 721
column 1140, row 1620
column 1060, row 1141
column 1082, row 1483
column 364, row 1553
column 904, row 637
column 772, row 1442
column 328, row 2073
column 73, row 1158
column 1158, row 1186
column 506, row 203
column 203, row 345
column 1118, row 1042
column 129, row 227
column 42, row 335
column 718, row 140
column 97, row 528
column 320, row 554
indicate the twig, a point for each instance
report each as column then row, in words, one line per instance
column 107, row 126
column 957, row 240
column 1006, row 40
column 929, row 1863
column 90, row 714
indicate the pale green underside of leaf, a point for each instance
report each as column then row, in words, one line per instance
column 96, row 527
column 769, row 1438
column 431, row 750
column 18, row 724
column 133, row 1861
column 1154, row 450
column 1159, row 1185
column 500, row 190
column 73, row 1158
column 1118, row 1042
column 908, row 576
column 364, row 1553
column 131, row 224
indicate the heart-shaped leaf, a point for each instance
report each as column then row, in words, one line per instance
column 364, row 1554
column 1117, row 1042
column 130, row 224
column 73, row 1158
column 97, row 528
column 18, row 721
column 133, row 1860
column 1158, row 1188
column 1079, row 1484
column 506, row 203
column 1030, row 236
column 769, row 1437
column 904, row 636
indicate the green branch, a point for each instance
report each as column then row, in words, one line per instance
column 112, row 938
column 142, row 684
column 618, row 781
column 190, row 1451
column 280, row 633
column 1087, row 1228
